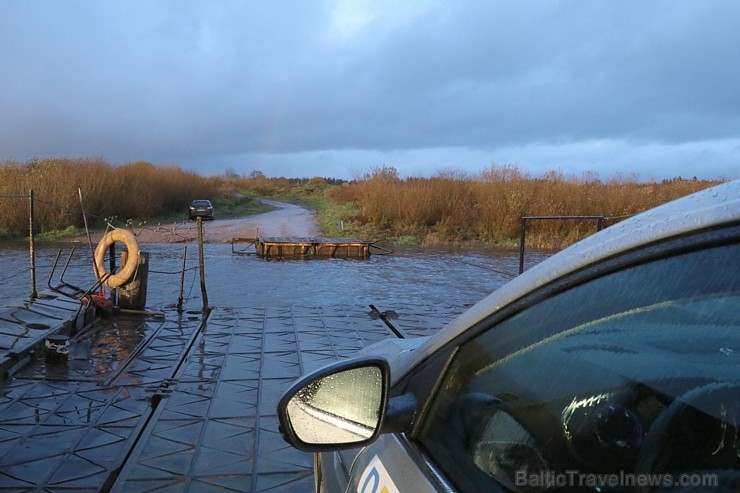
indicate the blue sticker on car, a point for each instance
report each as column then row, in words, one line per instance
column 375, row 479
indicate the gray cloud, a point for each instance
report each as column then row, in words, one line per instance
column 324, row 88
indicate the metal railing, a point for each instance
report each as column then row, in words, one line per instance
column 600, row 224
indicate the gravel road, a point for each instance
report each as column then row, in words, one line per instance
column 285, row 220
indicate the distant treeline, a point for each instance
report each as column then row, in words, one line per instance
column 111, row 193
column 451, row 207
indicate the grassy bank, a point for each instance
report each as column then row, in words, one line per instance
column 452, row 207
column 484, row 208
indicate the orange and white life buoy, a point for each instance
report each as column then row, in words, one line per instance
column 132, row 261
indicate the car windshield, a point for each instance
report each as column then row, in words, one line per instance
column 201, row 203
column 636, row 373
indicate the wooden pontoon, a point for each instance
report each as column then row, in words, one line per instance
column 306, row 247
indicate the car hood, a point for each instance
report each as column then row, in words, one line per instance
column 711, row 207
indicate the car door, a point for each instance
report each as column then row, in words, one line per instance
column 386, row 466
column 624, row 374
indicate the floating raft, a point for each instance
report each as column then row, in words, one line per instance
column 307, row 247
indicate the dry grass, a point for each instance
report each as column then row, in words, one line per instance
column 115, row 193
column 453, row 207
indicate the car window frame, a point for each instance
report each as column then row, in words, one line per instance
column 428, row 373
column 424, row 380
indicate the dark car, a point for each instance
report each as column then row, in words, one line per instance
column 201, row 208
column 613, row 365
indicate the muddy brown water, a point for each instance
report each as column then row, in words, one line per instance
column 408, row 275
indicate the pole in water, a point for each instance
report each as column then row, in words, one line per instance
column 201, row 266
column 89, row 238
column 32, row 253
column 182, row 278
column 132, row 294
column 112, row 268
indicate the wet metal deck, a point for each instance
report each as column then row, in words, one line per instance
column 23, row 327
column 182, row 404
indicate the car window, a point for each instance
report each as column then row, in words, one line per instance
column 631, row 377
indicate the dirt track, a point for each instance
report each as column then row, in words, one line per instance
column 285, row 220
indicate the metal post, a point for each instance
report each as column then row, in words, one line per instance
column 201, row 266
column 112, row 258
column 132, row 295
column 87, row 232
column 112, row 269
column 182, row 278
column 522, row 235
column 600, row 223
column 32, row 253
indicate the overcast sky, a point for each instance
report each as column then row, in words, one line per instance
column 334, row 88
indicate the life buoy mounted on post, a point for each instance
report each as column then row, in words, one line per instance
column 132, row 261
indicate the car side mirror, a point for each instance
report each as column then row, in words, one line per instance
column 339, row 406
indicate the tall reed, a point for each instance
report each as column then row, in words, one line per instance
column 487, row 207
column 130, row 191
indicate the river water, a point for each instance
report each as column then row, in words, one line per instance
column 407, row 276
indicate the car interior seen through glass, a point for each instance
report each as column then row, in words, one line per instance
column 636, row 372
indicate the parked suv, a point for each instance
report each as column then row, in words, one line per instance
column 202, row 208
